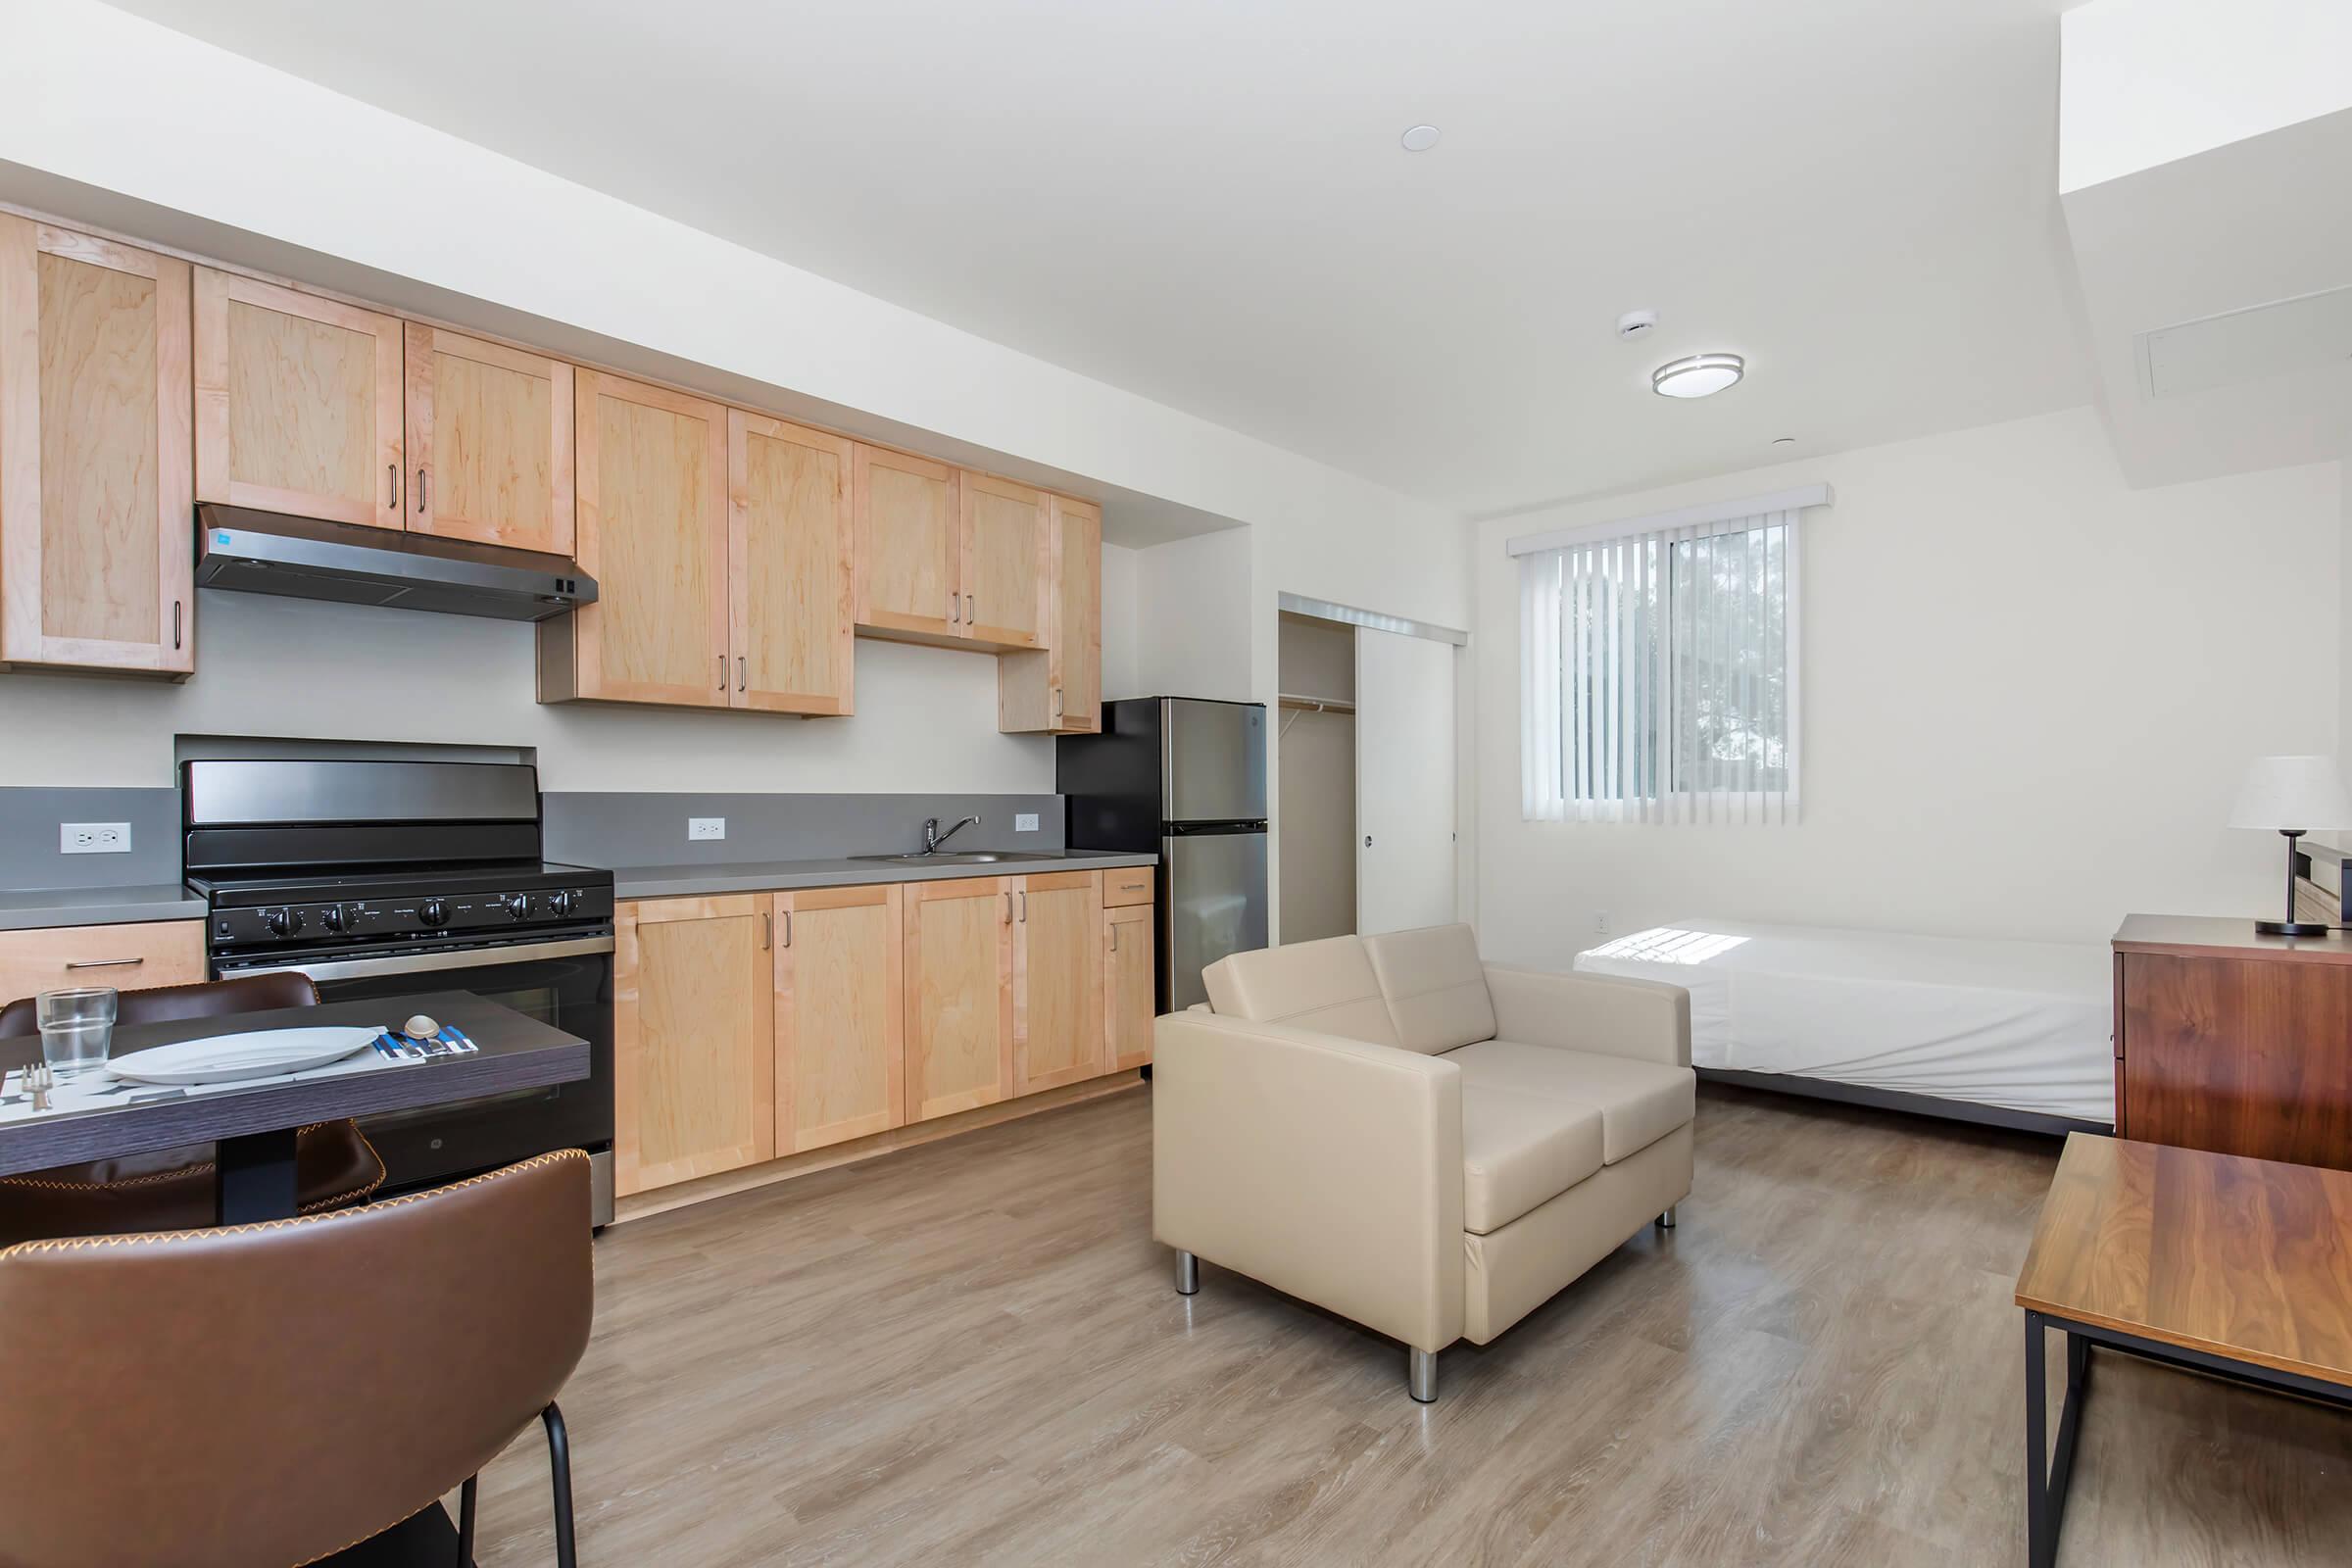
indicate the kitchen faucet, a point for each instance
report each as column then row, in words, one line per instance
column 933, row 838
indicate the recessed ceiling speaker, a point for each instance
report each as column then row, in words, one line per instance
column 1637, row 324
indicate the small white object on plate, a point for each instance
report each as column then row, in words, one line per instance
column 421, row 1027
column 256, row 1054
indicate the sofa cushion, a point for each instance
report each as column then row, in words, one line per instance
column 1520, row 1152
column 1326, row 985
column 1640, row 1101
column 1435, row 986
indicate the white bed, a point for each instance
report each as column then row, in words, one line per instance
column 2021, row 1028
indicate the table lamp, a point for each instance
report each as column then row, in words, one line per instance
column 2293, row 795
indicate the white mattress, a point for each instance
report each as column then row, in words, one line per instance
column 2022, row 1025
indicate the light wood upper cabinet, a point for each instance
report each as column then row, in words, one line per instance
column 1056, row 980
column 841, row 1016
column 1005, row 563
column 96, row 537
column 489, row 442
column 790, row 549
column 958, row 958
column 651, row 530
column 1058, row 690
column 694, row 1045
column 910, row 544
column 298, row 403
column 1129, row 1002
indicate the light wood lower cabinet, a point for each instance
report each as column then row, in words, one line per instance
column 1056, row 980
column 841, row 1016
column 693, row 1038
column 761, row 1025
column 129, row 958
column 1129, row 1002
column 958, row 995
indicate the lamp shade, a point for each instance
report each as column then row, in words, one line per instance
column 2292, row 791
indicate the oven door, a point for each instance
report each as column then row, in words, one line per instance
column 566, row 983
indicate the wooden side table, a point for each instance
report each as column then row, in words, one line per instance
column 2222, row 1264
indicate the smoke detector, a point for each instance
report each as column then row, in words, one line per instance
column 1637, row 324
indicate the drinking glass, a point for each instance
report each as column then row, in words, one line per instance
column 78, row 1026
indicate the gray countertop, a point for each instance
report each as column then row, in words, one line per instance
column 161, row 901
column 759, row 876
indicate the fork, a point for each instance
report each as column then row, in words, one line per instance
column 40, row 1079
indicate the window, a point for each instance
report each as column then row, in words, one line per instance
column 1658, row 670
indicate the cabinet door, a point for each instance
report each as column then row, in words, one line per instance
column 95, row 536
column 489, row 438
column 1077, row 618
column 910, row 544
column 841, row 1016
column 298, row 403
column 652, row 532
column 958, row 995
column 1005, row 603
column 789, row 552
column 128, row 957
column 693, row 1042
column 1127, row 995
column 1056, row 980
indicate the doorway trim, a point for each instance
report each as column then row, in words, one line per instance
column 1326, row 610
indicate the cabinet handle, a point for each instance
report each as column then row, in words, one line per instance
column 103, row 963
column 722, row 672
column 392, row 485
column 955, row 610
column 969, row 615
column 1114, row 939
column 742, row 672
column 1009, row 909
column 768, row 930
column 1057, row 702
column 424, row 489
column 175, row 624
column 788, row 928
column 1024, row 908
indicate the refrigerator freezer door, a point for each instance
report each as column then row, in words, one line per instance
column 1213, row 769
column 1215, row 889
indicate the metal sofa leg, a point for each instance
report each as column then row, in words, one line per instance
column 1188, row 1274
column 1421, row 1375
column 559, row 1464
column 1666, row 1220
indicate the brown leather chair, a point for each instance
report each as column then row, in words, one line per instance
column 173, row 1188
column 259, row 1394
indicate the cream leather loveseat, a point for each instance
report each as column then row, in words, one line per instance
column 1425, row 1143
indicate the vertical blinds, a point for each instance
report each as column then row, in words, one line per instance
column 1658, row 680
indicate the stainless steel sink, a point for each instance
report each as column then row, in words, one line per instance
column 947, row 857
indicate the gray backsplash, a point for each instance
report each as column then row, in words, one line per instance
column 625, row 829
column 30, row 857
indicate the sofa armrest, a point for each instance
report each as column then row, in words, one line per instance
column 1323, row 1167
column 1640, row 1018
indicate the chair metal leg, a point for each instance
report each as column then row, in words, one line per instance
column 1421, row 1375
column 466, row 1522
column 1666, row 1220
column 559, row 1464
column 1188, row 1274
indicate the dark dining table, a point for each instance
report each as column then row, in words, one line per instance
column 252, row 1130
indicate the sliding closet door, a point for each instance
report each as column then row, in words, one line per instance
column 1404, row 770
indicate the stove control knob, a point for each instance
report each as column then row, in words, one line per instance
column 518, row 905
column 282, row 922
column 335, row 917
column 433, row 912
column 563, row 902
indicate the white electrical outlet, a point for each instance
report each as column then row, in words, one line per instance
column 93, row 838
column 1024, row 821
column 1600, row 923
column 705, row 827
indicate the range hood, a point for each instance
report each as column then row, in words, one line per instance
column 349, row 563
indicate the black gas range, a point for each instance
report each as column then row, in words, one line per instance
column 393, row 879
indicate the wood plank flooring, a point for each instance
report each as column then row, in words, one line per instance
column 970, row 1352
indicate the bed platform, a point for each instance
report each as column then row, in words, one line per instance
column 2009, row 1034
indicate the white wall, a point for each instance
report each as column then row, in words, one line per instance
column 2028, row 693
column 1193, row 619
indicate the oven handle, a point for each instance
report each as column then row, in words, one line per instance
column 423, row 963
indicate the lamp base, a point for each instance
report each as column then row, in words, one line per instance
column 2290, row 928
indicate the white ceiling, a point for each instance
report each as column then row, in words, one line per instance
column 1205, row 203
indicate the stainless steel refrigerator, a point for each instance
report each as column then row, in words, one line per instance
column 1184, row 777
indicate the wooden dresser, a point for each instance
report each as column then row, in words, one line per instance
column 2233, row 1042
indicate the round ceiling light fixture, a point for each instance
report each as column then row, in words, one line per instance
column 1419, row 139
column 1697, row 377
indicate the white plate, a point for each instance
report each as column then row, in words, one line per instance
column 258, row 1053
